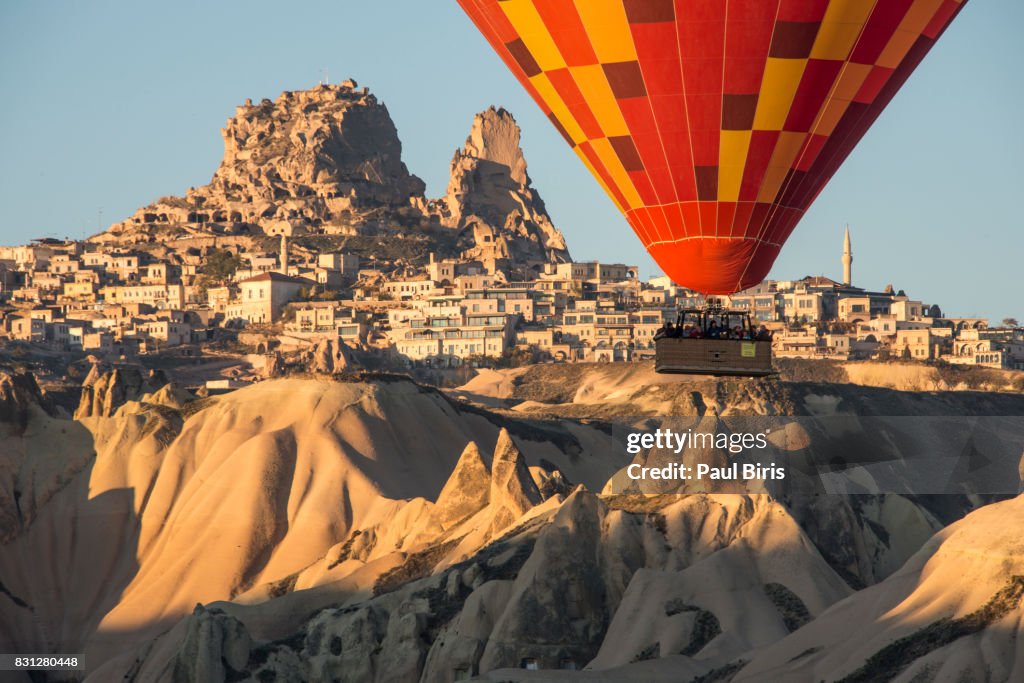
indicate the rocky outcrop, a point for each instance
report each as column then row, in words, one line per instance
column 214, row 645
column 538, row 622
column 104, row 392
column 327, row 158
column 467, row 490
column 274, row 365
column 490, row 198
column 18, row 391
column 330, row 356
column 506, row 489
column 329, row 161
column 171, row 395
column 513, row 491
column 550, row 482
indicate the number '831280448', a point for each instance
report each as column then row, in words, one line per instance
column 45, row 662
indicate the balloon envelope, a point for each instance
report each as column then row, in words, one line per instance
column 712, row 124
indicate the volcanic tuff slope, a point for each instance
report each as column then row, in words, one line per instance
column 298, row 513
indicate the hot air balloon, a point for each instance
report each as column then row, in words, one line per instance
column 712, row 124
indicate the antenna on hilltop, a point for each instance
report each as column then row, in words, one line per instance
column 326, row 80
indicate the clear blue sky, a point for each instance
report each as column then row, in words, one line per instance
column 108, row 105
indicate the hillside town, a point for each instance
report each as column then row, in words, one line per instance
column 314, row 246
column 118, row 303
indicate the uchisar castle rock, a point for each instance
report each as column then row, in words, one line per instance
column 328, row 161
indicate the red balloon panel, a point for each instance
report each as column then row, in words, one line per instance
column 712, row 125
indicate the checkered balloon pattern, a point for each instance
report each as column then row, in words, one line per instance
column 712, row 124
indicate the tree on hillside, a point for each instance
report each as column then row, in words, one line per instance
column 1010, row 322
column 221, row 265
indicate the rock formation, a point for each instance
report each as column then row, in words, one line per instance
column 329, row 161
column 506, row 489
column 952, row 613
column 490, row 198
column 467, row 490
column 329, row 356
column 104, row 392
column 171, row 395
column 550, row 482
column 513, row 491
column 18, row 392
column 328, row 158
column 214, row 644
column 333, row 532
column 39, row 455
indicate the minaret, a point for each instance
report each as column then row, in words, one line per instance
column 847, row 259
column 284, row 254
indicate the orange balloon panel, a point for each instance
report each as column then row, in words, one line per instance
column 712, row 124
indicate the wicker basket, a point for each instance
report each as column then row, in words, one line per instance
column 714, row 357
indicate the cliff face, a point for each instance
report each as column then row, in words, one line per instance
column 326, row 158
column 490, row 196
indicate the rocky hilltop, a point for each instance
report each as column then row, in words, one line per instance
column 328, row 161
column 325, row 158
